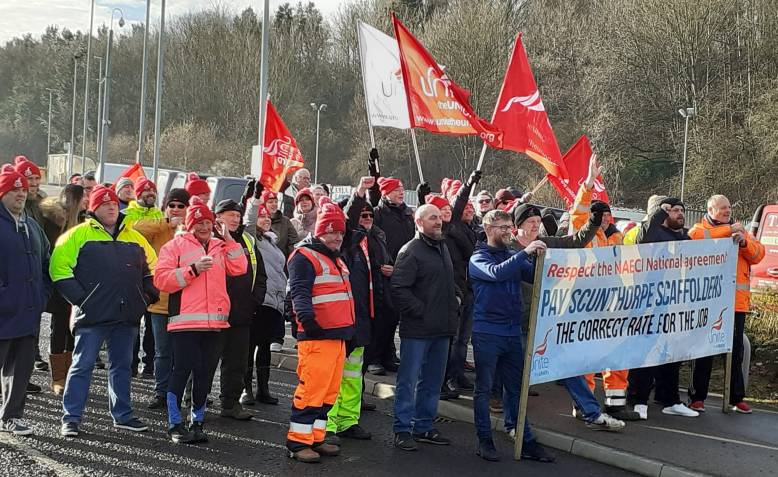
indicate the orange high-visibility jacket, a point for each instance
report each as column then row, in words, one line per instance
column 752, row 253
column 333, row 304
column 579, row 214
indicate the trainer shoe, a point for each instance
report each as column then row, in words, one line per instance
column 622, row 413
column 606, row 423
column 642, row 410
column 69, row 429
column 698, row 406
column 180, row 434
column 511, row 434
column 276, row 347
column 306, row 456
column 327, row 450
column 742, row 408
column 432, row 437
column 41, row 365
column 16, row 427
column 487, row 451
column 247, row 399
column 134, row 425
column 33, row 388
column 679, row 410
column 531, row 450
column 404, row 441
column 236, row 412
column 198, row 435
column 578, row 414
column 159, row 402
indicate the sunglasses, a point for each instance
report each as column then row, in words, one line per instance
column 484, row 201
column 366, row 216
column 174, row 205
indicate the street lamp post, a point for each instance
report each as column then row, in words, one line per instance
column 86, row 87
column 318, row 108
column 99, row 106
column 687, row 113
column 48, row 127
column 73, row 115
column 144, row 74
column 107, row 99
column 158, row 105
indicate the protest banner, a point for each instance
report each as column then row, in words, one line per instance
column 633, row 306
column 280, row 154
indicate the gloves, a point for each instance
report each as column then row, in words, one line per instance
column 423, row 190
column 258, row 189
column 596, row 217
column 372, row 163
column 312, row 329
column 475, row 178
column 248, row 191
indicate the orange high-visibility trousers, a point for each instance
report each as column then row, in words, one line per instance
column 319, row 369
column 615, row 385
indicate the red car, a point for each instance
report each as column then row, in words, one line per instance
column 765, row 229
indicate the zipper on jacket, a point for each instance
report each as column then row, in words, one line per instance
column 141, row 296
column 89, row 296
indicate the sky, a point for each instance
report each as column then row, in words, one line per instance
column 19, row 17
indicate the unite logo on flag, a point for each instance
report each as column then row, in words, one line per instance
column 283, row 151
column 532, row 102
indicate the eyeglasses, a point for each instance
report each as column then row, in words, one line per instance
column 484, row 201
column 366, row 216
column 174, row 205
column 503, row 228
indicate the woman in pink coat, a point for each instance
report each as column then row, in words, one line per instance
column 193, row 269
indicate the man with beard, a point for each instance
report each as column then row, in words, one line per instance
column 145, row 204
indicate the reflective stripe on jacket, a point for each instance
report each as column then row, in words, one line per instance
column 333, row 304
column 751, row 254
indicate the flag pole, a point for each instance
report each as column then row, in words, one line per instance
column 539, row 185
column 416, row 152
column 480, row 164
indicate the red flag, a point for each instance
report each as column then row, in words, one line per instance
column 576, row 160
column 522, row 118
column 134, row 172
column 435, row 103
column 280, row 154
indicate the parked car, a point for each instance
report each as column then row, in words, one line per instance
column 765, row 229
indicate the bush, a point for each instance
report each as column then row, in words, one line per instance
column 762, row 325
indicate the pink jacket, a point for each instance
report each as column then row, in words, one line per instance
column 198, row 301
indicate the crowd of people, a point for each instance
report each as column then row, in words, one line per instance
column 215, row 287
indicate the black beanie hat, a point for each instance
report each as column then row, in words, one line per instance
column 600, row 206
column 177, row 195
column 228, row 205
column 523, row 212
column 673, row 201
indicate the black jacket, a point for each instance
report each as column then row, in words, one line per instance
column 397, row 223
column 653, row 231
column 423, row 289
column 246, row 299
column 460, row 239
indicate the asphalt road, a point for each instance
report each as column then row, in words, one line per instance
column 242, row 448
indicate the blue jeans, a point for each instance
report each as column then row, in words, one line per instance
column 458, row 353
column 583, row 398
column 120, row 340
column 419, row 379
column 497, row 356
column 162, row 357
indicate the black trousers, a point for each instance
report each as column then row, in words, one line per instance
column 148, row 346
column 703, row 366
column 232, row 351
column 381, row 349
column 193, row 351
column 263, row 328
column 665, row 377
column 60, row 338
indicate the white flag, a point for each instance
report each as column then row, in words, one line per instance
column 384, row 90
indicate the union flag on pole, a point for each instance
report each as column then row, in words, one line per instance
column 435, row 103
column 280, row 154
column 576, row 160
column 522, row 118
column 134, row 172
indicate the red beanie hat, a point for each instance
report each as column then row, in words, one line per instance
column 143, row 185
column 268, row 194
column 10, row 180
column 7, row 168
column 196, row 186
column 436, row 200
column 102, row 195
column 26, row 167
column 453, row 188
column 197, row 212
column 445, row 184
column 302, row 193
column 503, row 195
column 329, row 219
column 262, row 211
column 388, row 184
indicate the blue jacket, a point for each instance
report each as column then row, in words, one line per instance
column 496, row 276
column 24, row 280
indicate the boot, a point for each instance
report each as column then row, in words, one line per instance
column 60, row 363
column 263, row 393
column 622, row 413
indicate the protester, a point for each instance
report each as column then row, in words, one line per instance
column 502, row 198
column 76, row 179
column 427, row 299
column 280, row 224
column 304, row 217
column 159, row 232
column 125, row 190
column 89, row 182
column 319, row 191
column 324, row 313
column 26, row 288
column 197, row 187
column 614, row 382
column 193, row 269
column 145, row 204
column 247, row 294
column 630, row 237
column 59, row 215
column 300, row 180
column 718, row 223
column 484, row 202
column 103, row 268
column 267, row 319
column 665, row 225
column 496, row 274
